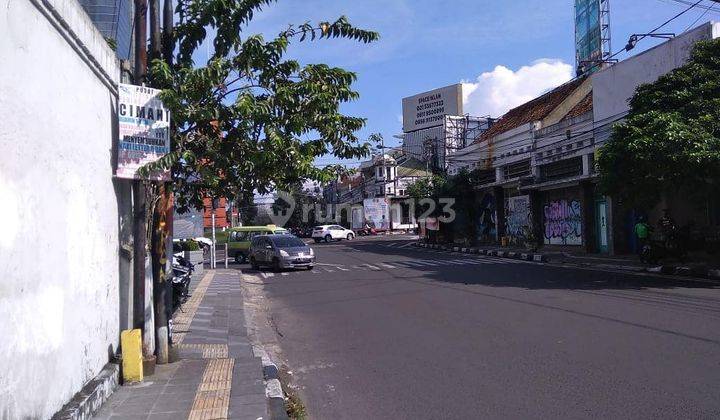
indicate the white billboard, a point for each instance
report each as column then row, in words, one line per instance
column 144, row 124
column 428, row 109
column 377, row 213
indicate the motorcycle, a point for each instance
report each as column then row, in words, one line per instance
column 367, row 231
column 182, row 270
column 671, row 246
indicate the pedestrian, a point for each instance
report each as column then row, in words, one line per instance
column 642, row 232
column 667, row 229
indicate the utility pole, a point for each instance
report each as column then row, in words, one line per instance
column 143, row 283
column 155, row 43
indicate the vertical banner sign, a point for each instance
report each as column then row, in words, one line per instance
column 144, row 125
column 588, row 42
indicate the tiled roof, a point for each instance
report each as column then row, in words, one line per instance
column 535, row 110
column 586, row 105
column 411, row 168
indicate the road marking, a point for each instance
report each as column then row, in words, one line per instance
column 387, row 265
column 342, row 269
column 430, row 263
column 406, row 245
column 266, row 275
column 372, row 267
column 328, row 270
column 474, row 262
column 285, row 274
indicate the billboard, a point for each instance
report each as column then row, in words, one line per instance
column 144, row 126
column 588, row 35
column 377, row 213
column 428, row 109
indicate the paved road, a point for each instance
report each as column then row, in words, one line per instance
column 384, row 331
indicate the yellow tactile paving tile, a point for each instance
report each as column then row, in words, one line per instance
column 212, row 398
column 209, row 351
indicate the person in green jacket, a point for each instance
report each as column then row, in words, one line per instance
column 642, row 231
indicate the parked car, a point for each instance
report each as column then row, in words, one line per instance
column 280, row 251
column 332, row 233
column 238, row 239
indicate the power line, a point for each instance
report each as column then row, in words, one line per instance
column 689, row 2
column 696, row 20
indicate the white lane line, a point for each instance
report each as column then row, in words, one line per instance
column 342, row 269
column 426, row 263
column 328, row 270
column 285, row 274
column 390, row 245
column 387, row 265
column 472, row 262
column 410, row 263
column 266, row 275
column 372, row 267
column 405, row 245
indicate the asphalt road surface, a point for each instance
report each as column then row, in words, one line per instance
column 380, row 330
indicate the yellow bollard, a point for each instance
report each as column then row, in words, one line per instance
column 131, row 342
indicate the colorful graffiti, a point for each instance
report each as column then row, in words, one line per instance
column 563, row 222
column 517, row 217
column 487, row 221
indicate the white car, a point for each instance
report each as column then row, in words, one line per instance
column 331, row 233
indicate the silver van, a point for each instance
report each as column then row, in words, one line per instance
column 280, row 251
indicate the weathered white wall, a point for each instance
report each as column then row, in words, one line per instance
column 614, row 86
column 58, row 211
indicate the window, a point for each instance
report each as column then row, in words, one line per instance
column 287, row 242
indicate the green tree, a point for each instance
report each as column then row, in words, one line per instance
column 250, row 119
column 670, row 141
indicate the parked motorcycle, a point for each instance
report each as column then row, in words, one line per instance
column 671, row 246
column 182, row 270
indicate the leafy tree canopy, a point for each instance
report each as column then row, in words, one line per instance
column 250, row 119
column 670, row 141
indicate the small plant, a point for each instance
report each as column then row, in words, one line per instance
column 190, row 245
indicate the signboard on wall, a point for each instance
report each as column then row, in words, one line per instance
column 428, row 109
column 144, row 128
column 377, row 212
column 588, row 36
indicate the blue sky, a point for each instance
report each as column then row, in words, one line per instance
column 517, row 48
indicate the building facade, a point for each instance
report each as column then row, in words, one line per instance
column 114, row 19
column 535, row 166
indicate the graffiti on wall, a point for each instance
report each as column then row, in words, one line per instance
column 563, row 222
column 487, row 224
column 517, row 217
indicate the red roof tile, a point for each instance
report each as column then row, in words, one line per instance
column 535, row 110
column 586, row 105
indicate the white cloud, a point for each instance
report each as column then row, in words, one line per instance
column 494, row 93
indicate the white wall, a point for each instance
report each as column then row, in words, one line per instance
column 614, row 86
column 59, row 212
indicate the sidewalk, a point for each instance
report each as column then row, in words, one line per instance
column 216, row 376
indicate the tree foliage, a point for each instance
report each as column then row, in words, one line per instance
column 250, row 119
column 670, row 141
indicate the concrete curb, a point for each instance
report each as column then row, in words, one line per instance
column 92, row 396
column 273, row 388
